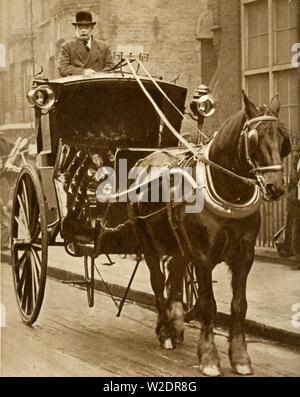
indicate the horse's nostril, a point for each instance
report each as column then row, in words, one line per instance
column 274, row 192
column 270, row 188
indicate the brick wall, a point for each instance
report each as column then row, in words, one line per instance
column 164, row 28
column 226, row 84
column 230, row 78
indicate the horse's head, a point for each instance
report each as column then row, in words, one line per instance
column 266, row 142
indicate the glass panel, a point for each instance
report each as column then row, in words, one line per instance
column 258, row 88
column 253, row 53
column 293, row 12
column 285, row 31
column 294, row 86
column 282, row 87
column 282, row 49
column 264, row 51
column 258, row 52
column 257, row 13
column 281, row 14
column 294, row 126
column 258, row 46
column 287, row 86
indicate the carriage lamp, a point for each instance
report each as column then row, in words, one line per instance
column 203, row 103
column 42, row 96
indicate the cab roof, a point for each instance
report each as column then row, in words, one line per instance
column 102, row 76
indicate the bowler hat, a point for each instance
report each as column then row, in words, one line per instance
column 84, row 18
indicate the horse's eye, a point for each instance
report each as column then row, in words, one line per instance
column 252, row 140
column 286, row 148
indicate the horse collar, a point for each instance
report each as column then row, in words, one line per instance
column 217, row 204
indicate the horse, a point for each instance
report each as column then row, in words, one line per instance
column 245, row 156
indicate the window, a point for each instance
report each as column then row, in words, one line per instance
column 257, row 34
column 269, row 29
column 284, row 29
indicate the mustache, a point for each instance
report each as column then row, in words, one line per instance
column 84, row 37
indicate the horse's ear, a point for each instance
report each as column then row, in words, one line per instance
column 250, row 108
column 275, row 105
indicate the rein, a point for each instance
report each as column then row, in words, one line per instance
column 197, row 154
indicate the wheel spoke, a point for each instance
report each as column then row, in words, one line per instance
column 28, row 286
column 25, row 201
column 29, row 244
column 32, row 209
column 37, row 264
column 24, row 298
column 35, row 278
column 22, row 208
column 36, row 246
column 37, row 261
column 20, row 282
column 22, row 228
column 191, row 291
column 20, row 262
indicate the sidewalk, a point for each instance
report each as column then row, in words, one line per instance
column 273, row 291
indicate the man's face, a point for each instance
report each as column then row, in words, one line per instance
column 83, row 32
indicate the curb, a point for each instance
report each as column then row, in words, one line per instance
column 270, row 255
column 223, row 319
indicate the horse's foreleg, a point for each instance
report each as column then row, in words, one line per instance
column 158, row 285
column 174, row 309
column 239, row 357
column 207, row 351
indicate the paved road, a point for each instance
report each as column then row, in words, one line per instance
column 69, row 339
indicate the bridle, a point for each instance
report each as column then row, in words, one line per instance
column 250, row 127
column 197, row 153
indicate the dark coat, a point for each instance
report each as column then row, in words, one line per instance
column 74, row 58
column 287, row 240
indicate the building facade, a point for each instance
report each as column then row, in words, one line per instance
column 255, row 43
column 226, row 44
column 32, row 36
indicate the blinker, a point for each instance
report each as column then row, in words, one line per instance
column 252, row 137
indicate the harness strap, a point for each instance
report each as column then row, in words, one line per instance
column 160, row 113
column 174, row 226
column 168, row 99
column 191, row 148
column 269, row 168
column 205, row 160
column 260, row 119
column 254, row 169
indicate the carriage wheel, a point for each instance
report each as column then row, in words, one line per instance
column 29, row 244
column 190, row 293
column 189, row 289
column 90, row 279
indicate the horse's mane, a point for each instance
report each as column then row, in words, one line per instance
column 229, row 133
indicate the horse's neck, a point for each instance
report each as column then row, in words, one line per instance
column 226, row 152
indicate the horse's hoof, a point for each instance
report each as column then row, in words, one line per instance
column 178, row 340
column 211, row 370
column 167, row 344
column 244, row 369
